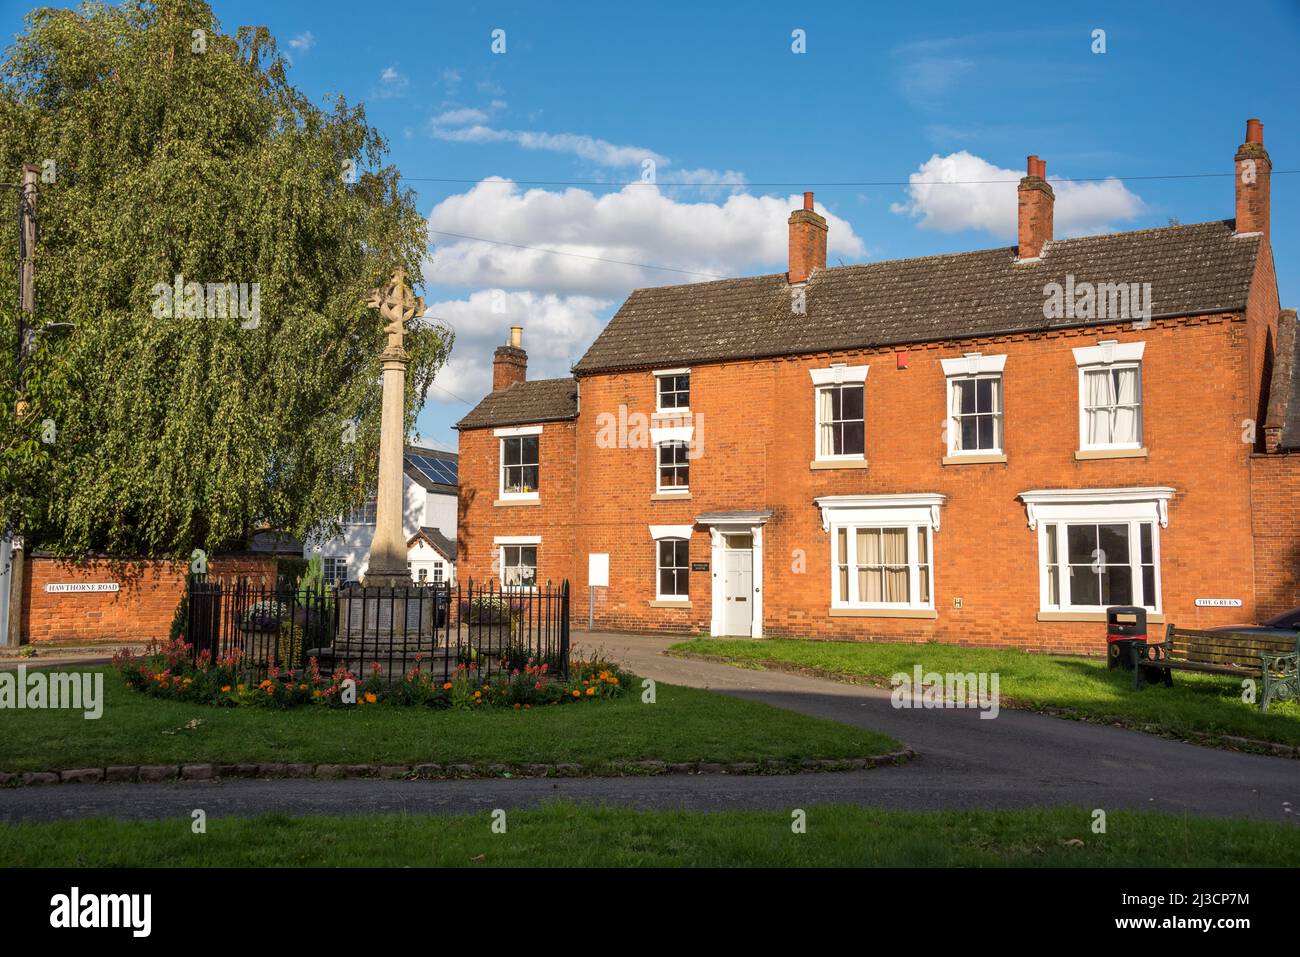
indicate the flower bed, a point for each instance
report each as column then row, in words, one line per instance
column 169, row 673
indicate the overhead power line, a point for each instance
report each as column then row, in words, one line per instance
column 829, row 184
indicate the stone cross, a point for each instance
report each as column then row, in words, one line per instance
column 397, row 306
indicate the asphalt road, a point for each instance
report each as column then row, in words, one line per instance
column 1017, row 760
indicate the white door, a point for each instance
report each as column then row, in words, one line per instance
column 738, row 593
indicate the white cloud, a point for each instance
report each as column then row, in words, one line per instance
column 963, row 191
column 556, row 331
column 303, row 42
column 459, row 117
column 391, row 83
column 590, row 148
column 742, row 235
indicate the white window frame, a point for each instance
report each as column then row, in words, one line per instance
column 918, row 513
column 659, row 376
column 1109, row 355
column 1049, row 509
column 838, row 374
column 662, row 489
column 513, row 433
column 660, row 533
column 334, row 562
column 975, row 365
column 367, row 510
column 502, row 542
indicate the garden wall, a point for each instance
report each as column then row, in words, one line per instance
column 140, row 610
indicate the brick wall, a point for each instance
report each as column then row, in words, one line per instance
column 758, row 433
column 1275, row 494
column 140, row 610
column 482, row 518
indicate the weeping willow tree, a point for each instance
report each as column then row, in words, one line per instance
column 177, row 158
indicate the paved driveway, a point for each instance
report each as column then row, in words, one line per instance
column 1019, row 759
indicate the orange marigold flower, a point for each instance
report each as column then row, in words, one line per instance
column 446, row 686
column 371, row 697
column 225, row 689
column 577, row 693
column 591, row 691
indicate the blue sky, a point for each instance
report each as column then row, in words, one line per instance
column 714, row 94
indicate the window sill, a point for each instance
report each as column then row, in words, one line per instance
column 670, row 603
column 929, row 613
column 1084, row 455
column 1152, row 617
column 505, row 502
column 667, row 415
column 984, row 458
column 671, row 497
column 837, row 464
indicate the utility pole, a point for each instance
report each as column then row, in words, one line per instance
column 13, row 544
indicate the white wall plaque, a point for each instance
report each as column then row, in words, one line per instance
column 1218, row 603
column 76, row 587
column 598, row 570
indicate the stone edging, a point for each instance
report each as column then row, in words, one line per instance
column 164, row 773
column 1224, row 742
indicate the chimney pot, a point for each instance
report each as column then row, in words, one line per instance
column 1254, row 131
column 517, row 336
column 807, row 242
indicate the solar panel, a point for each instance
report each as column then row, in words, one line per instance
column 435, row 470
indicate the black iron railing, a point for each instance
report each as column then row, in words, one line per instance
column 433, row 628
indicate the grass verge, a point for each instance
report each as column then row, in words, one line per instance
column 684, row 724
column 1070, row 687
column 618, row 837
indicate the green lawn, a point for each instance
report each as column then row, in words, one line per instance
column 1075, row 687
column 685, row 724
column 568, row 835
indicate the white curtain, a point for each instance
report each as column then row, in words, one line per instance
column 956, row 415
column 1100, row 399
column 1126, row 415
column 895, row 554
column 824, row 416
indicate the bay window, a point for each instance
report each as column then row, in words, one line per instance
column 1098, row 547
column 881, row 548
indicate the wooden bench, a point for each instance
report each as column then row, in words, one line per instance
column 1272, row 659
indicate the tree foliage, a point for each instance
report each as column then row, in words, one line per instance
column 181, row 432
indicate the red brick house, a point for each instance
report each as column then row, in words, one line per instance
column 987, row 447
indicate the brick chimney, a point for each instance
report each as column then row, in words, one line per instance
column 807, row 242
column 510, row 362
column 1254, row 170
column 1035, row 200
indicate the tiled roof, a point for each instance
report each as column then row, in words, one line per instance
column 1284, row 394
column 533, row 400
column 444, row 546
column 1192, row 270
